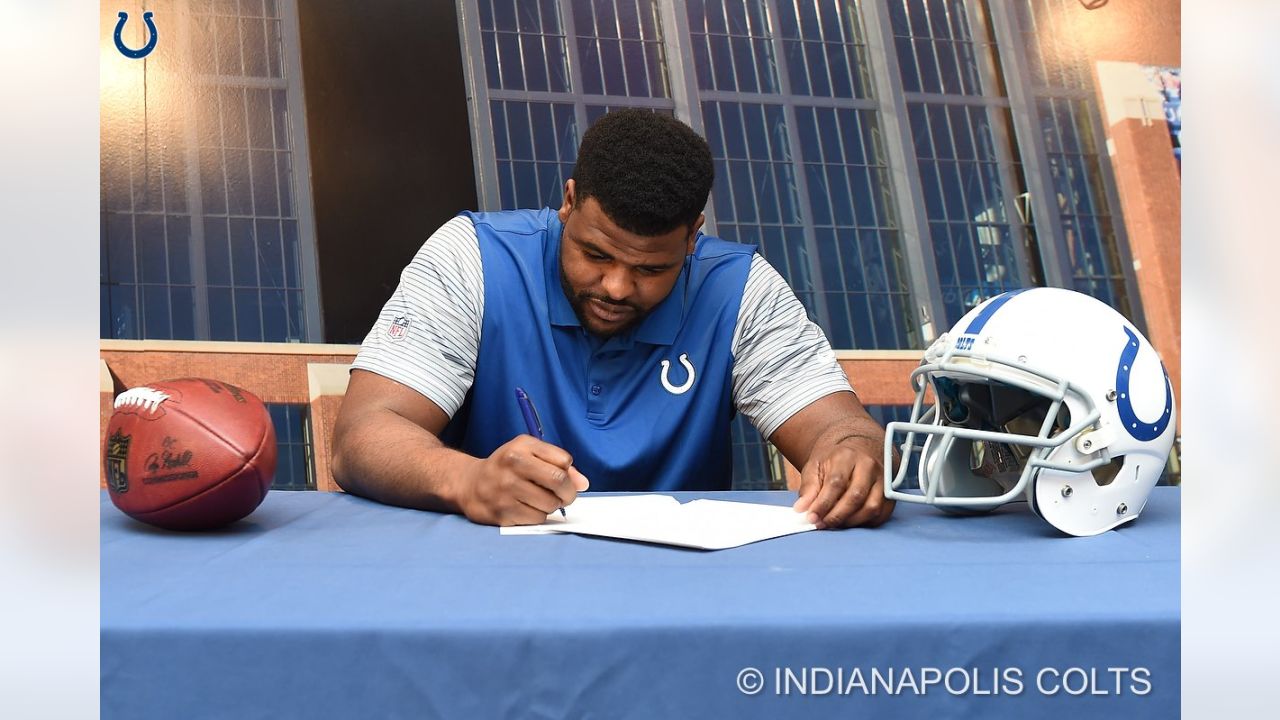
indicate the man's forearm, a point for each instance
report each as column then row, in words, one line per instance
column 856, row 430
column 864, row 431
column 860, row 432
column 388, row 458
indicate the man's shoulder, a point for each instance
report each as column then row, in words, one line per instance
column 454, row 240
column 518, row 222
column 713, row 248
column 718, row 271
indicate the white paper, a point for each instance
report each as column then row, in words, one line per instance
column 705, row 524
column 597, row 511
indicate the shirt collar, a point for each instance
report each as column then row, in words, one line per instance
column 659, row 328
column 662, row 325
column 561, row 311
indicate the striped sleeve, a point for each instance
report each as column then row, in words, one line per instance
column 782, row 360
column 428, row 334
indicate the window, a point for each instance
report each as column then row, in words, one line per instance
column 1081, row 198
column 732, row 49
column 294, row 465
column 963, row 147
column 851, row 208
column 551, row 68
column 1054, row 51
column 206, row 211
column 936, row 47
column 885, row 414
column 966, row 203
column 620, row 48
column 800, row 161
column 1066, row 112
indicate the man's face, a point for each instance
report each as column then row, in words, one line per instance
column 611, row 277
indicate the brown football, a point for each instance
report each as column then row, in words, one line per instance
column 189, row 454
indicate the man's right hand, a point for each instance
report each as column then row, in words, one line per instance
column 520, row 483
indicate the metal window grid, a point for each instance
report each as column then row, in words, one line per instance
column 295, row 464
column 231, row 184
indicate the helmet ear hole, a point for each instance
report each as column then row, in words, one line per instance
column 1106, row 474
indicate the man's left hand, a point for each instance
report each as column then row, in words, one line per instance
column 842, row 486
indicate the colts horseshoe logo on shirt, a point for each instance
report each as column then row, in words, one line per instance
column 688, row 383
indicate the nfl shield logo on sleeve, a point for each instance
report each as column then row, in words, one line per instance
column 399, row 328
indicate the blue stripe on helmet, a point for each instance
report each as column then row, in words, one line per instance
column 976, row 324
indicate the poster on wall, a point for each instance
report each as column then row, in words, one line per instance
column 1169, row 83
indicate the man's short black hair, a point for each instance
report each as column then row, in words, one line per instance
column 650, row 173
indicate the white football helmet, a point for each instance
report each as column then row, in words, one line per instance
column 1044, row 395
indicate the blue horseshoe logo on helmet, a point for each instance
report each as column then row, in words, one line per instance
column 145, row 50
column 1140, row 429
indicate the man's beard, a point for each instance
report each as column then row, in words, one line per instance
column 578, row 301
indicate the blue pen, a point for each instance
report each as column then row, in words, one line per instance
column 531, row 420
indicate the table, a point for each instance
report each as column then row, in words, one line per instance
column 326, row 605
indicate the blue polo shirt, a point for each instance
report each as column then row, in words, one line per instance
column 646, row 410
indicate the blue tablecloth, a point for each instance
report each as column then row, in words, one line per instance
column 330, row 606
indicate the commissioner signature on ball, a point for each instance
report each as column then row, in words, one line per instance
column 167, row 459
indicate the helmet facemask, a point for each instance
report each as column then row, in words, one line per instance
column 992, row 425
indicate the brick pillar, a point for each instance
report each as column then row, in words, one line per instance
column 328, row 384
